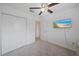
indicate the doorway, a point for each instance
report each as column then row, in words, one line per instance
column 37, row 30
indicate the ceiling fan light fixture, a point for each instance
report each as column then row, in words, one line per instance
column 44, row 5
column 44, row 9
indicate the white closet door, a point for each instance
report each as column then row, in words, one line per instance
column 13, row 32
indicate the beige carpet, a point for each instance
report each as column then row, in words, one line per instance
column 41, row 48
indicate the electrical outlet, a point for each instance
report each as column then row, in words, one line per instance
column 77, row 48
column 73, row 43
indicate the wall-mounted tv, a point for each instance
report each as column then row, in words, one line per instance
column 63, row 23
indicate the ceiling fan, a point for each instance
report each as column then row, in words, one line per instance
column 44, row 7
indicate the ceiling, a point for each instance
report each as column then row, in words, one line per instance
column 24, row 7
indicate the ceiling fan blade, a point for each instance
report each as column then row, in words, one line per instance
column 50, row 11
column 34, row 8
column 40, row 13
column 52, row 4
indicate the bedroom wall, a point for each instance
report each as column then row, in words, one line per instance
column 0, row 34
column 17, row 29
column 0, row 31
column 57, row 36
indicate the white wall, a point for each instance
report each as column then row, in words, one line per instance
column 72, row 34
column 57, row 36
column 17, row 29
column 31, row 29
column 0, row 35
column 0, row 31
